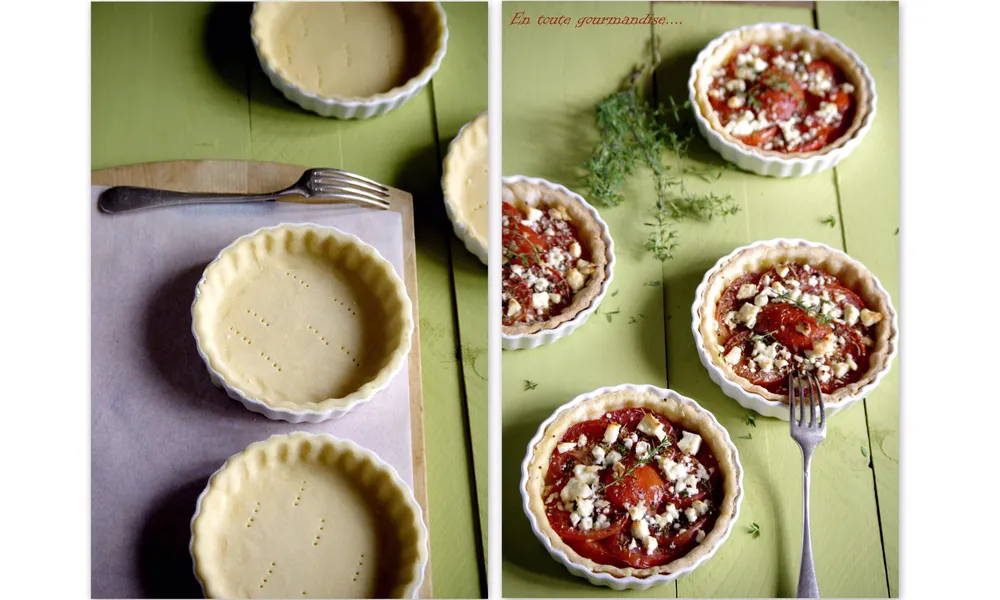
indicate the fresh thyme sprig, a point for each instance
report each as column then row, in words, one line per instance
column 635, row 133
column 754, row 530
column 830, row 220
column 638, row 463
column 529, row 385
column 812, row 312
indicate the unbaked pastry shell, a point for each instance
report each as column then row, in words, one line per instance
column 680, row 411
column 592, row 231
column 263, row 484
column 767, row 162
column 759, row 257
column 310, row 296
column 468, row 154
column 432, row 23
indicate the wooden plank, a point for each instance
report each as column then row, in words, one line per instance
column 243, row 177
column 164, row 84
column 460, row 93
column 552, row 78
column 847, row 548
column 869, row 205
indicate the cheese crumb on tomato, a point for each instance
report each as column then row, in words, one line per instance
column 668, row 516
column 851, row 314
column 575, row 279
column 689, row 443
column 870, row 317
column 748, row 314
column 827, row 113
column 540, row 301
column 637, row 512
column 513, row 308
column 747, row 290
column 733, row 356
column 640, row 531
column 698, row 537
column 642, row 450
column 611, row 433
column 650, row 426
column 823, row 347
column 613, row 458
column 598, row 454
column 581, row 441
column 565, row 447
column 691, row 514
column 761, row 300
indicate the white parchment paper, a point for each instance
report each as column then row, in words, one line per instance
column 159, row 426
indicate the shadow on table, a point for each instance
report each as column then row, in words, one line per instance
column 165, row 565
column 520, row 546
column 172, row 350
column 231, row 53
column 671, row 80
column 420, row 176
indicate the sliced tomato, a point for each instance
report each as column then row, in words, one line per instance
column 779, row 93
column 742, row 368
column 621, row 548
column 790, row 325
column 821, row 65
column 818, row 141
column 644, row 484
column 728, row 302
column 559, row 519
column 686, row 540
column 835, row 290
column 597, row 551
column 761, row 137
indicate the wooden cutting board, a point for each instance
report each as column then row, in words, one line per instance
column 237, row 176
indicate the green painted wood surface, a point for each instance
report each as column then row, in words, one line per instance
column 460, row 93
column 180, row 81
column 548, row 132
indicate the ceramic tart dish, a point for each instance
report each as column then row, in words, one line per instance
column 301, row 322
column 782, row 306
column 631, row 486
column 781, row 100
column 350, row 60
column 307, row 516
column 558, row 261
column 465, row 186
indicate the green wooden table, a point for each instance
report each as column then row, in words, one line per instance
column 178, row 81
column 553, row 76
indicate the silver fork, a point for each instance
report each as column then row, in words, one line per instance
column 321, row 186
column 804, row 399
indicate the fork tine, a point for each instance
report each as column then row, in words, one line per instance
column 361, row 185
column 339, row 173
column 813, row 401
column 819, row 400
column 791, row 399
column 353, row 198
column 336, row 189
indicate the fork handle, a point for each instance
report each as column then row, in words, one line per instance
column 124, row 198
column 808, row 588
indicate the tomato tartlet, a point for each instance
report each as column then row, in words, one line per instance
column 785, row 306
column 556, row 256
column 633, row 483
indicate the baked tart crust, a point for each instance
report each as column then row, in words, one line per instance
column 852, row 274
column 590, row 234
column 678, row 414
column 808, row 39
column 308, row 515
